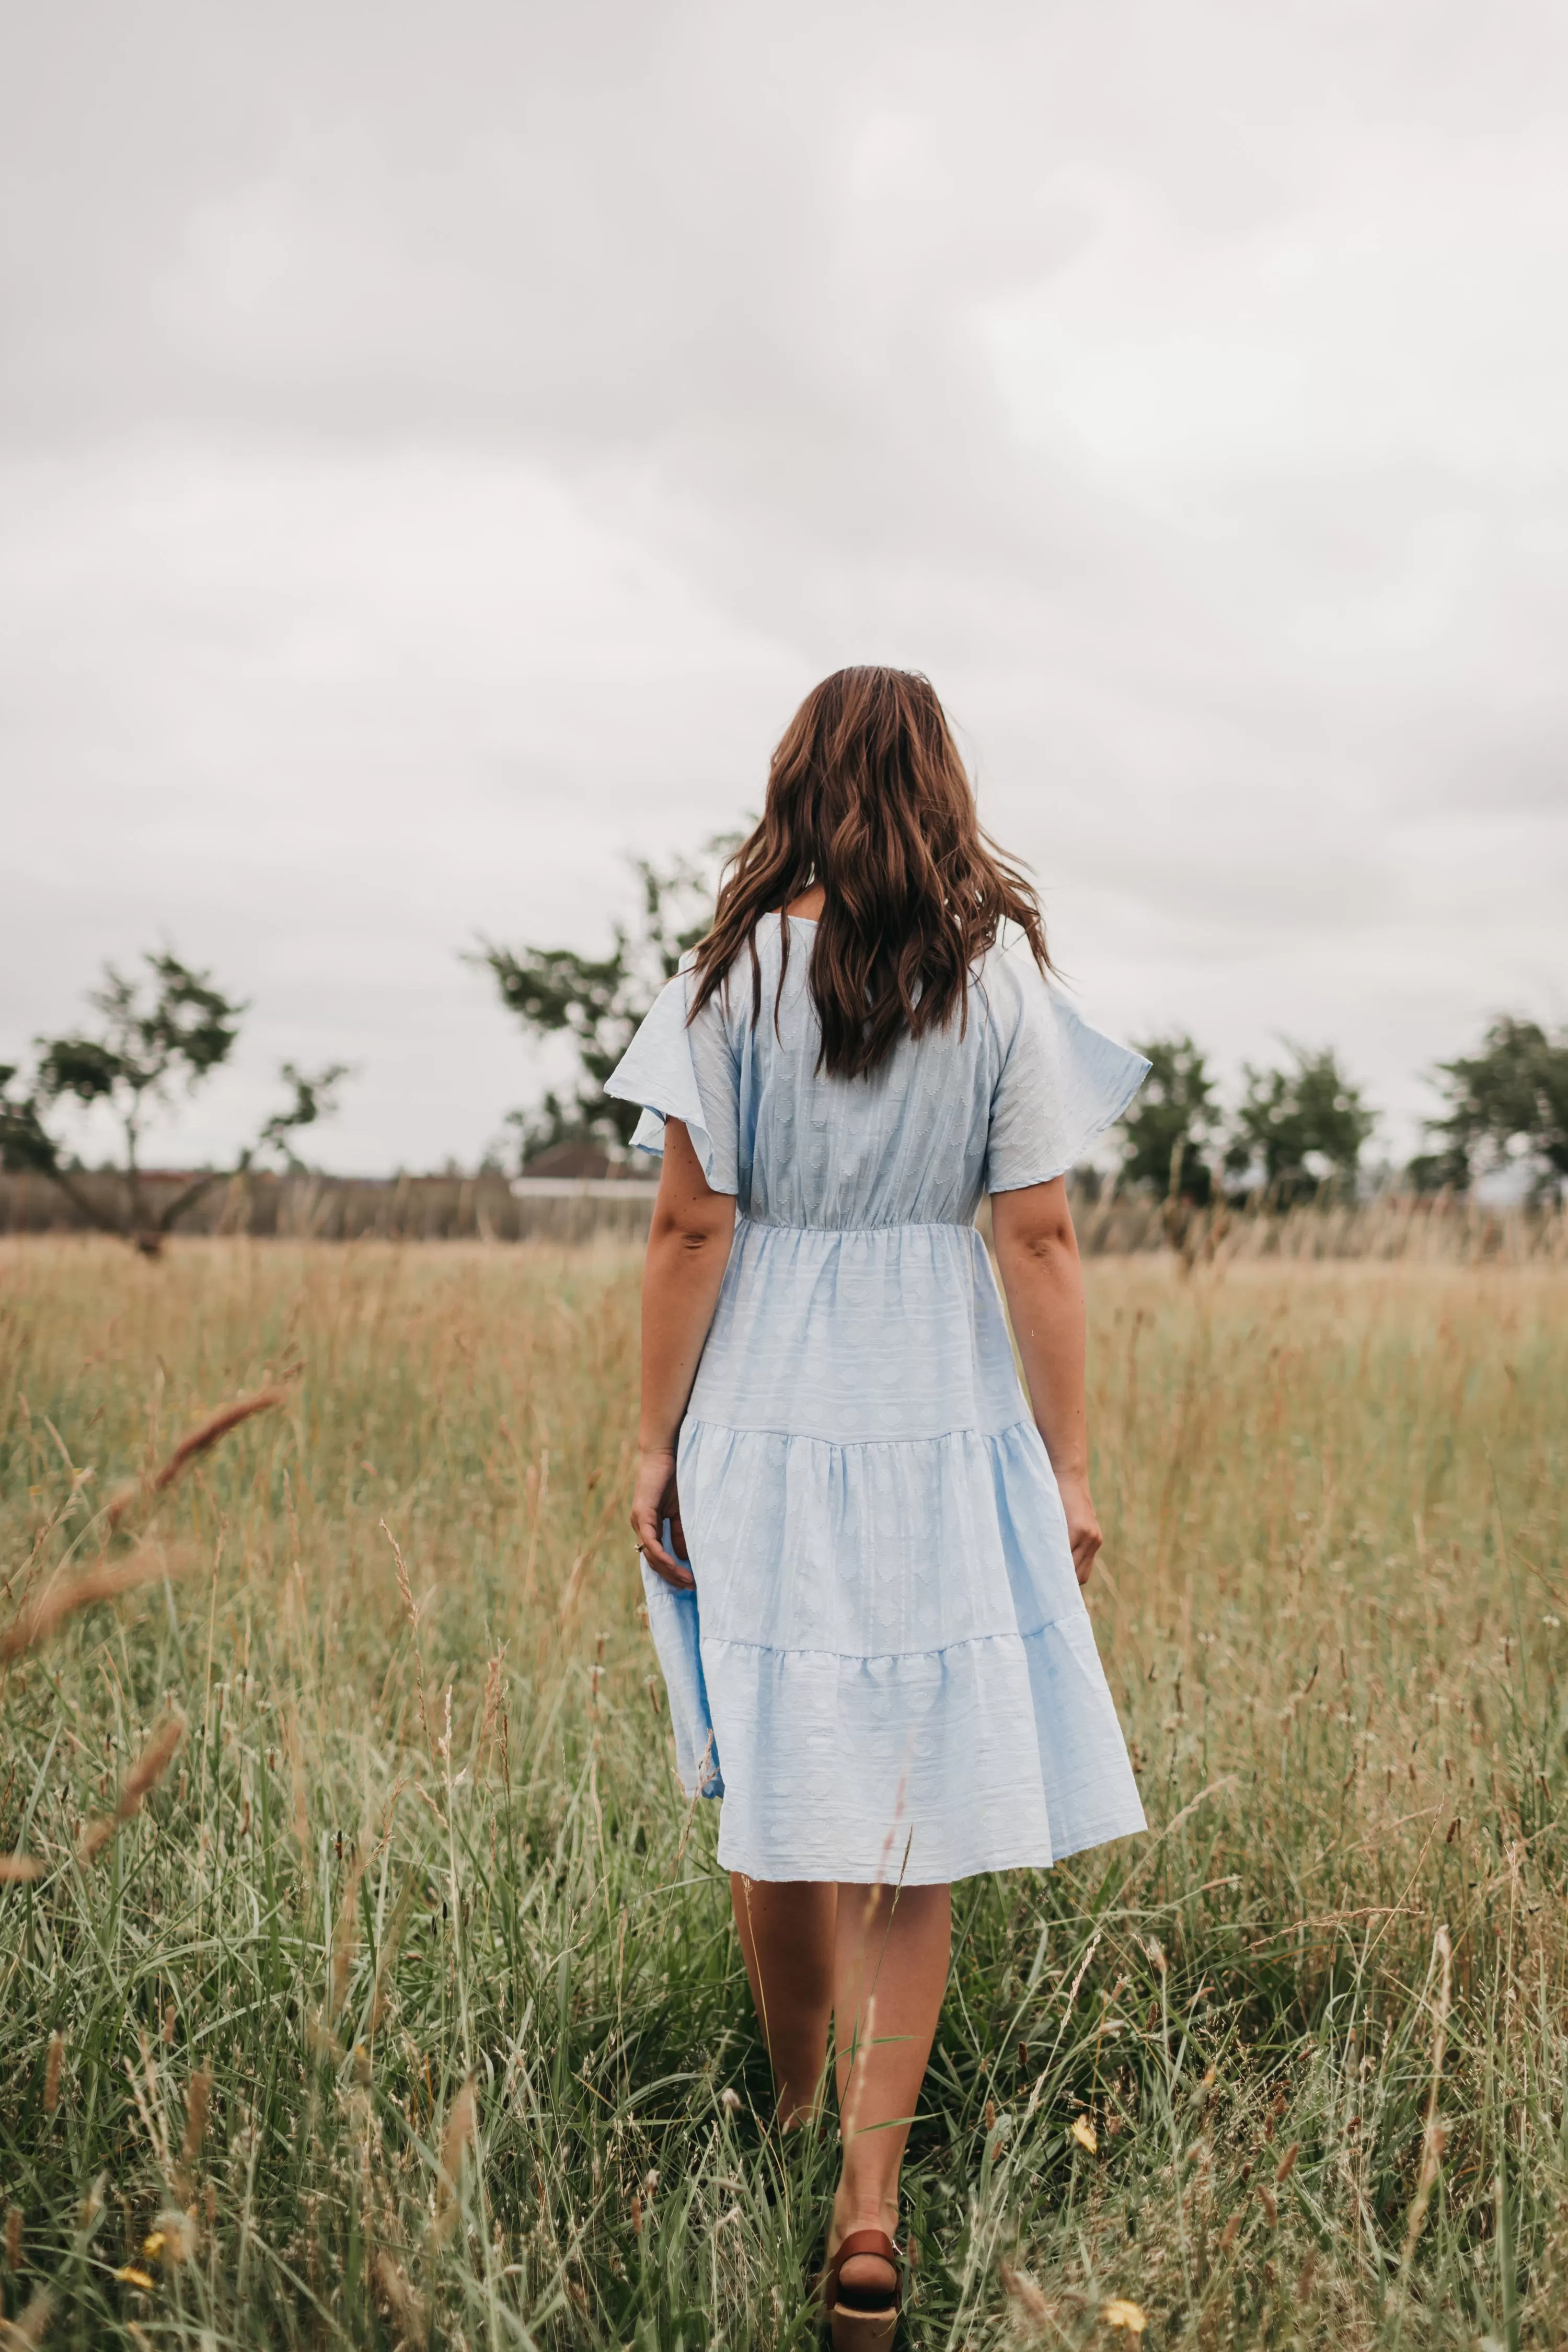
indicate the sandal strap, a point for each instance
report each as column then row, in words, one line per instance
column 863, row 2242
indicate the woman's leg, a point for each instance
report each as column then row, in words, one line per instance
column 875, row 1958
column 786, row 1930
column 890, row 1958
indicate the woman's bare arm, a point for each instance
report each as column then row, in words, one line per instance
column 1036, row 1256
column 687, row 1250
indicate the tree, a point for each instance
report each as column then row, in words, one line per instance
column 166, row 1032
column 1508, row 1103
column 599, row 1001
column 1172, row 1120
column 1303, row 1128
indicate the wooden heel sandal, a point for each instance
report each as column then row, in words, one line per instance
column 861, row 2319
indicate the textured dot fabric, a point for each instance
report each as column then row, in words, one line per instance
column 886, row 1670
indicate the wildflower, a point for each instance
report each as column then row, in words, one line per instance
column 1119, row 2313
column 1083, row 2132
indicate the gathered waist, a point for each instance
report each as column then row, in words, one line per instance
column 841, row 1233
column 857, row 1334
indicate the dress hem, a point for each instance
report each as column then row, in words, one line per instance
column 820, row 1870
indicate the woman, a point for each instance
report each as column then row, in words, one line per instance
column 862, row 1555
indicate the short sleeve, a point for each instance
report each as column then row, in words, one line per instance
column 687, row 1072
column 1060, row 1083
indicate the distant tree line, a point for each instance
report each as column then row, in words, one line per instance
column 1299, row 1131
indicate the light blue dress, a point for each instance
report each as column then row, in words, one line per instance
column 887, row 1669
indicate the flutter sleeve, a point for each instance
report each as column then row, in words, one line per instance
column 1059, row 1083
column 685, row 1071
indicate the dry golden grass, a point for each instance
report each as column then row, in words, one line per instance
column 417, row 1926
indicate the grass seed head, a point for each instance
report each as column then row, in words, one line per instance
column 138, row 1784
column 28, row 2327
column 198, row 2099
column 400, row 2303
column 150, row 1766
column 66, row 1595
column 179, row 2233
column 52, row 2071
column 462, row 2119
column 344, row 1940
column 195, row 1441
column 1023, row 2292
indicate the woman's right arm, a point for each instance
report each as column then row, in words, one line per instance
column 1036, row 1257
column 687, row 1250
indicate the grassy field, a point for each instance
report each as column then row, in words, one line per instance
column 405, row 2006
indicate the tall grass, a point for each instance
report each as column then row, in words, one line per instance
column 402, row 2004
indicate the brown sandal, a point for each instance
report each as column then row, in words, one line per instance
column 862, row 2320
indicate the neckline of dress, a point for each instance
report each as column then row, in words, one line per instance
column 782, row 914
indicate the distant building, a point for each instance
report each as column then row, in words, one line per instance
column 580, row 1159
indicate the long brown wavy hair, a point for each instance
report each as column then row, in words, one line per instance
column 868, row 797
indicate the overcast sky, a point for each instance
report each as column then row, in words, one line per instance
column 439, row 445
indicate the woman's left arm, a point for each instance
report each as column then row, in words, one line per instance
column 687, row 1250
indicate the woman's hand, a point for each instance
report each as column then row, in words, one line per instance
column 654, row 1500
column 1083, row 1525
